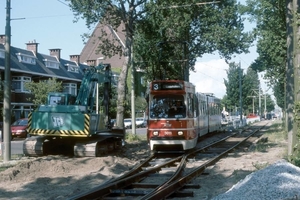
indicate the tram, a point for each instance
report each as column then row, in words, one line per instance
column 178, row 115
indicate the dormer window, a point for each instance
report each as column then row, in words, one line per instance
column 51, row 64
column 2, row 53
column 24, row 58
column 72, row 68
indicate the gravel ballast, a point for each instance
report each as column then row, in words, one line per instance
column 278, row 181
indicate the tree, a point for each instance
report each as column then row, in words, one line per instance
column 203, row 33
column 270, row 31
column 170, row 38
column 113, row 14
column 40, row 89
column 278, row 47
column 232, row 85
column 270, row 104
column 251, row 87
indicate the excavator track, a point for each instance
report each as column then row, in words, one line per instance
column 33, row 146
column 96, row 148
column 41, row 146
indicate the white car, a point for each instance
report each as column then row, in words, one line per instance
column 140, row 122
column 127, row 123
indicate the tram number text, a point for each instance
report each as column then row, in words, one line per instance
column 168, row 133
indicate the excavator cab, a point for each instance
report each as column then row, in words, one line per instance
column 57, row 98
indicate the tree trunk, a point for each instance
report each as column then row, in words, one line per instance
column 122, row 85
column 292, row 74
column 296, row 61
column 121, row 93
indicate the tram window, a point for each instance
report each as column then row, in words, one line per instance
column 203, row 108
column 190, row 105
column 196, row 106
column 167, row 106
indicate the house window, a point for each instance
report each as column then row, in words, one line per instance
column 70, row 88
column 51, row 64
column 72, row 68
column 26, row 59
column 2, row 53
column 18, row 83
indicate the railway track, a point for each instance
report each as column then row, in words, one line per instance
column 166, row 175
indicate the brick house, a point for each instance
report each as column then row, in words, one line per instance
column 29, row 65
column 91, row 52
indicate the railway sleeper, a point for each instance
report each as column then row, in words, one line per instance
column 130, row 192
column 145, row 185
column 182, row 194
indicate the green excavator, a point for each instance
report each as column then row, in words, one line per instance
column 78, row 126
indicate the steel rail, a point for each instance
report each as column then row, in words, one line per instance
column 105, row 189
column 160, row 190
column 174, row 186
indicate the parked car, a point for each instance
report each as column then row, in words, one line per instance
column 127, row 123
column 145, row 123
column 140, row 122
column 19, row 128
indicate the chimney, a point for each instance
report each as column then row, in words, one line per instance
column 55, row 53
column 2, row 39
column 32, row 46
column 91, row 62
column 75, row 58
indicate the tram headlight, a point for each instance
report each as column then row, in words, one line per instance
column 155, row 133
column 180, row 132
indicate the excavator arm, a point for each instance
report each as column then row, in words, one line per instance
column 93, row 77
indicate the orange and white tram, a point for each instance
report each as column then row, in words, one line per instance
column 178, row 116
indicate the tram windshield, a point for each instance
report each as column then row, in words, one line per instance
column 168, row 106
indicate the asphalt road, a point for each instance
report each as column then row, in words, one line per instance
column 17, row 143
column 16, row 146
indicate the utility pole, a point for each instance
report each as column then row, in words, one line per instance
column 133, row 128
column 7, row 89
column 240, row 88
column 259, row 101
column 265, row 111
column 253, row 97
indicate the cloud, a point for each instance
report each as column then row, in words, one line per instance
column 209, row 77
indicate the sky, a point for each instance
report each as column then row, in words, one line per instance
column 51, row 24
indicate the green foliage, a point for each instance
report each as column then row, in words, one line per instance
column 41, row 89
column 251, row 87
column 113, row 103
column 250, row 90
column 186, row 29
column 169, row 39
column 132, row 137
column 232, row 86
column 271, row 45
column 270, row 104
column 140, row 106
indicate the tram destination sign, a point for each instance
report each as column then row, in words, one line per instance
column 167, row 86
